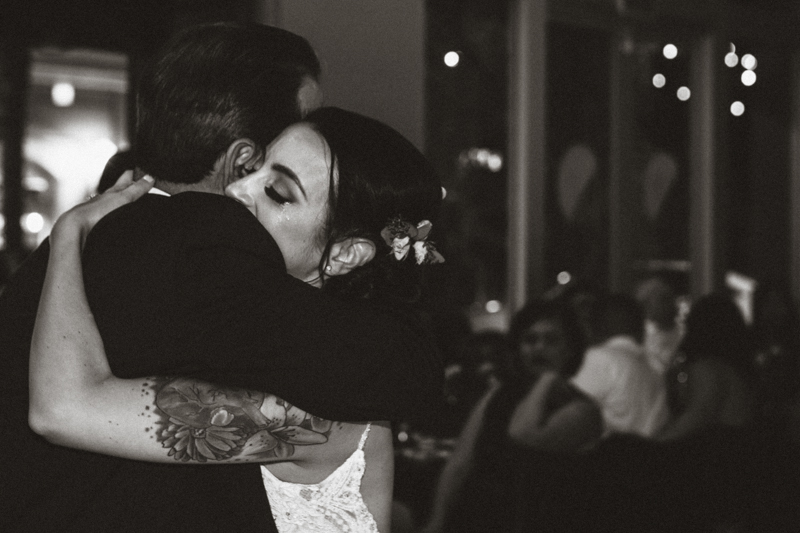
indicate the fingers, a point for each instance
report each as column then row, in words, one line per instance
column 125, row 190
column 138, row 188
column 123, row 181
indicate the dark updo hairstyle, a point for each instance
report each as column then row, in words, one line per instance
column 212, row 84
column 376, row 174
column 715, row 327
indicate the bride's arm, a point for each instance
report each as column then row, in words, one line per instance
column 75, row 400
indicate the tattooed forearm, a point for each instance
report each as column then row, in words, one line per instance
column 198, row 421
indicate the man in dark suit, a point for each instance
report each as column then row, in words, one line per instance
column 192, row 284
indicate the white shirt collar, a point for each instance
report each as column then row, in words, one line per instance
column 156, row 190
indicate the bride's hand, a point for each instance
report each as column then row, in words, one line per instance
column 82, row 218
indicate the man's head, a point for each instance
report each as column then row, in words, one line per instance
column 659, row 302
column 617, row 314
column 546, row 334
column 217, row 83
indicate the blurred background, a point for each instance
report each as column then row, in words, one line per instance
column 583, row 143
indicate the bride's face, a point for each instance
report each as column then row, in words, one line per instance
column 289, row 196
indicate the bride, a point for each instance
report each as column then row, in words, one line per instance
column 320, row 475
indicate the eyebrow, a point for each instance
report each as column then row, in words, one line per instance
column 289, row 173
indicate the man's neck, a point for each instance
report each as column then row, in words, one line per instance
column 212, row 183
column 206, row 185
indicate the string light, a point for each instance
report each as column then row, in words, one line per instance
column 670, row 51
column 481, row 158
column 451, row 59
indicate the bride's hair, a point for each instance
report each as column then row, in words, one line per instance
column 376, row 176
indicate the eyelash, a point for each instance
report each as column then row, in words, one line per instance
column 275, row 196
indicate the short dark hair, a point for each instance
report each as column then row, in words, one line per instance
column 715, row 327
column 617, row 314
column 379, row 175
column 558, row 310
column 213, row 84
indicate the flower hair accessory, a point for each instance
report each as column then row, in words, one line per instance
column 401, row 236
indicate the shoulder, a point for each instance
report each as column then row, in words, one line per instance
column 193, row 210
column 190, row 219
column 598, row 357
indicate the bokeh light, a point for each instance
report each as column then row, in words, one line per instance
column 451, row 59
column 684, row 93
column 737, row 109
column 493, row 306
column 731, row 59
column 748, row 78
column 749, row 61
column 33, row 222
column 670, row 51
column 63, row 94
column 563, row 277
column 659, row 80
column 495, row 162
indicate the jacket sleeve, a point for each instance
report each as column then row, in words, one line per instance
column 206, row 286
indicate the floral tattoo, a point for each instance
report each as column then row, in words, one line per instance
column 204, row 422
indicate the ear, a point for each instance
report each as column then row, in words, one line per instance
column 240, row 159
column 348, row 254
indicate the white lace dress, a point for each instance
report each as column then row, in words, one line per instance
column 332, row 505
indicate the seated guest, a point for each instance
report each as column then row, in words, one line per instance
column 522, row 431
column 615, row 371
column 662, row 332
column 719, row 370
column 776, row 337
column 734, row 469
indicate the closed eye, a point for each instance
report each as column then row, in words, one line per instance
column 275, row 196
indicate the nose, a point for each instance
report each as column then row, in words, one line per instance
column 239, row 191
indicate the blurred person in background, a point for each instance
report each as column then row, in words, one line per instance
column 719, row 372
column 616, row 373
column 735, row 470
column 513, row 457
column 776, row 337
column 468, row 379
column 662, row 331
column 580, row 294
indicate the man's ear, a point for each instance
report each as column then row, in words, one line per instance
column 348, row 254
column 241, row 158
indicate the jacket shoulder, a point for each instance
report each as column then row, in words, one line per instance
column 189, row 219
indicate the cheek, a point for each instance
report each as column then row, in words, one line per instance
column 299, row 244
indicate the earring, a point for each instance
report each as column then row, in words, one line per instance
column 328, row 268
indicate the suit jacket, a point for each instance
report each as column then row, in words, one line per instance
column 192, row 284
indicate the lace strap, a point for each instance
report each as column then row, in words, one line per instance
column 364, row 437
